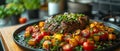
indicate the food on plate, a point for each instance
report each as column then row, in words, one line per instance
column 66, row 23
column 70, row 32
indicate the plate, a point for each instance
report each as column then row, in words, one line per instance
column 19, row 38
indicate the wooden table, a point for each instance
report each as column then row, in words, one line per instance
column 6, row 35
column 9, row 44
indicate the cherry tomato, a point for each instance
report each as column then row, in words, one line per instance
column 73, row 42
column 58, row 36
column 22, row 20
column 27, row 34
column 67, row 39
column 67, row 47
column 96, row 38
column 39, row 37
column 41, row 24
column 82, row 40
column 95, row 30
column 35, row 34
column 47, row 37
column 112, row 37
column 87, row 46
column 77, row 37
column 46, row 44
column 86, row 33
column 45, row 33
column 32, row 42
column 90, row 40
column 104, row 36
column 30, row 29
column 36, row 29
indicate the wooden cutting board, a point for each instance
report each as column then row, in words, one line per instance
column 6, row 35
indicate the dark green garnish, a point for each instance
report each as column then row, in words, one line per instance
column 67, row 17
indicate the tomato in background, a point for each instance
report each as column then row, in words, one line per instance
column 22, row 20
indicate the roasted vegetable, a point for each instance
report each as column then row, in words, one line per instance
column 41, row 24
column 67, row 47
column 46, row 44
column 70, row 32
column 32, row 42
column 87, row 46
column 111, row 37
column 73, row 42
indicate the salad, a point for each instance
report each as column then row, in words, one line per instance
column 92, row 36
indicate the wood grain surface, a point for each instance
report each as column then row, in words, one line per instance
column 6, row 35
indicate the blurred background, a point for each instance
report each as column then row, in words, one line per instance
column 14, row 12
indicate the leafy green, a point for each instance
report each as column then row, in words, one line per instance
column 27, row 38
column 67, row 17
column 31, row 4
column 2, row 11
column 10, row 9
column 13, row 8
column 78, row 48
column 55, row 1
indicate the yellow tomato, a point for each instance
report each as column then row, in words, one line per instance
column 111, row 36
column 96, row 38
column 41, row 24
column 42, row 29
column 47, row 37
column 58, row 36
column 32, row 42
column 77, row 37
column 73, row 42
column 46, row 44
column 27, row 34
column 92, row 25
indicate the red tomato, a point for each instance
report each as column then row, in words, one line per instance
column 95, row 30
column 73, row 42
column 36, row 29
column 22, row 20
column 87, row 46
column 46, row 44
column 67, row 39
column 30, row 29
column 104, row 36
column 45, row 33
column 85, row 33
column 39, row 37
column 35, row 34
column 82, row 40
column 67, row 47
